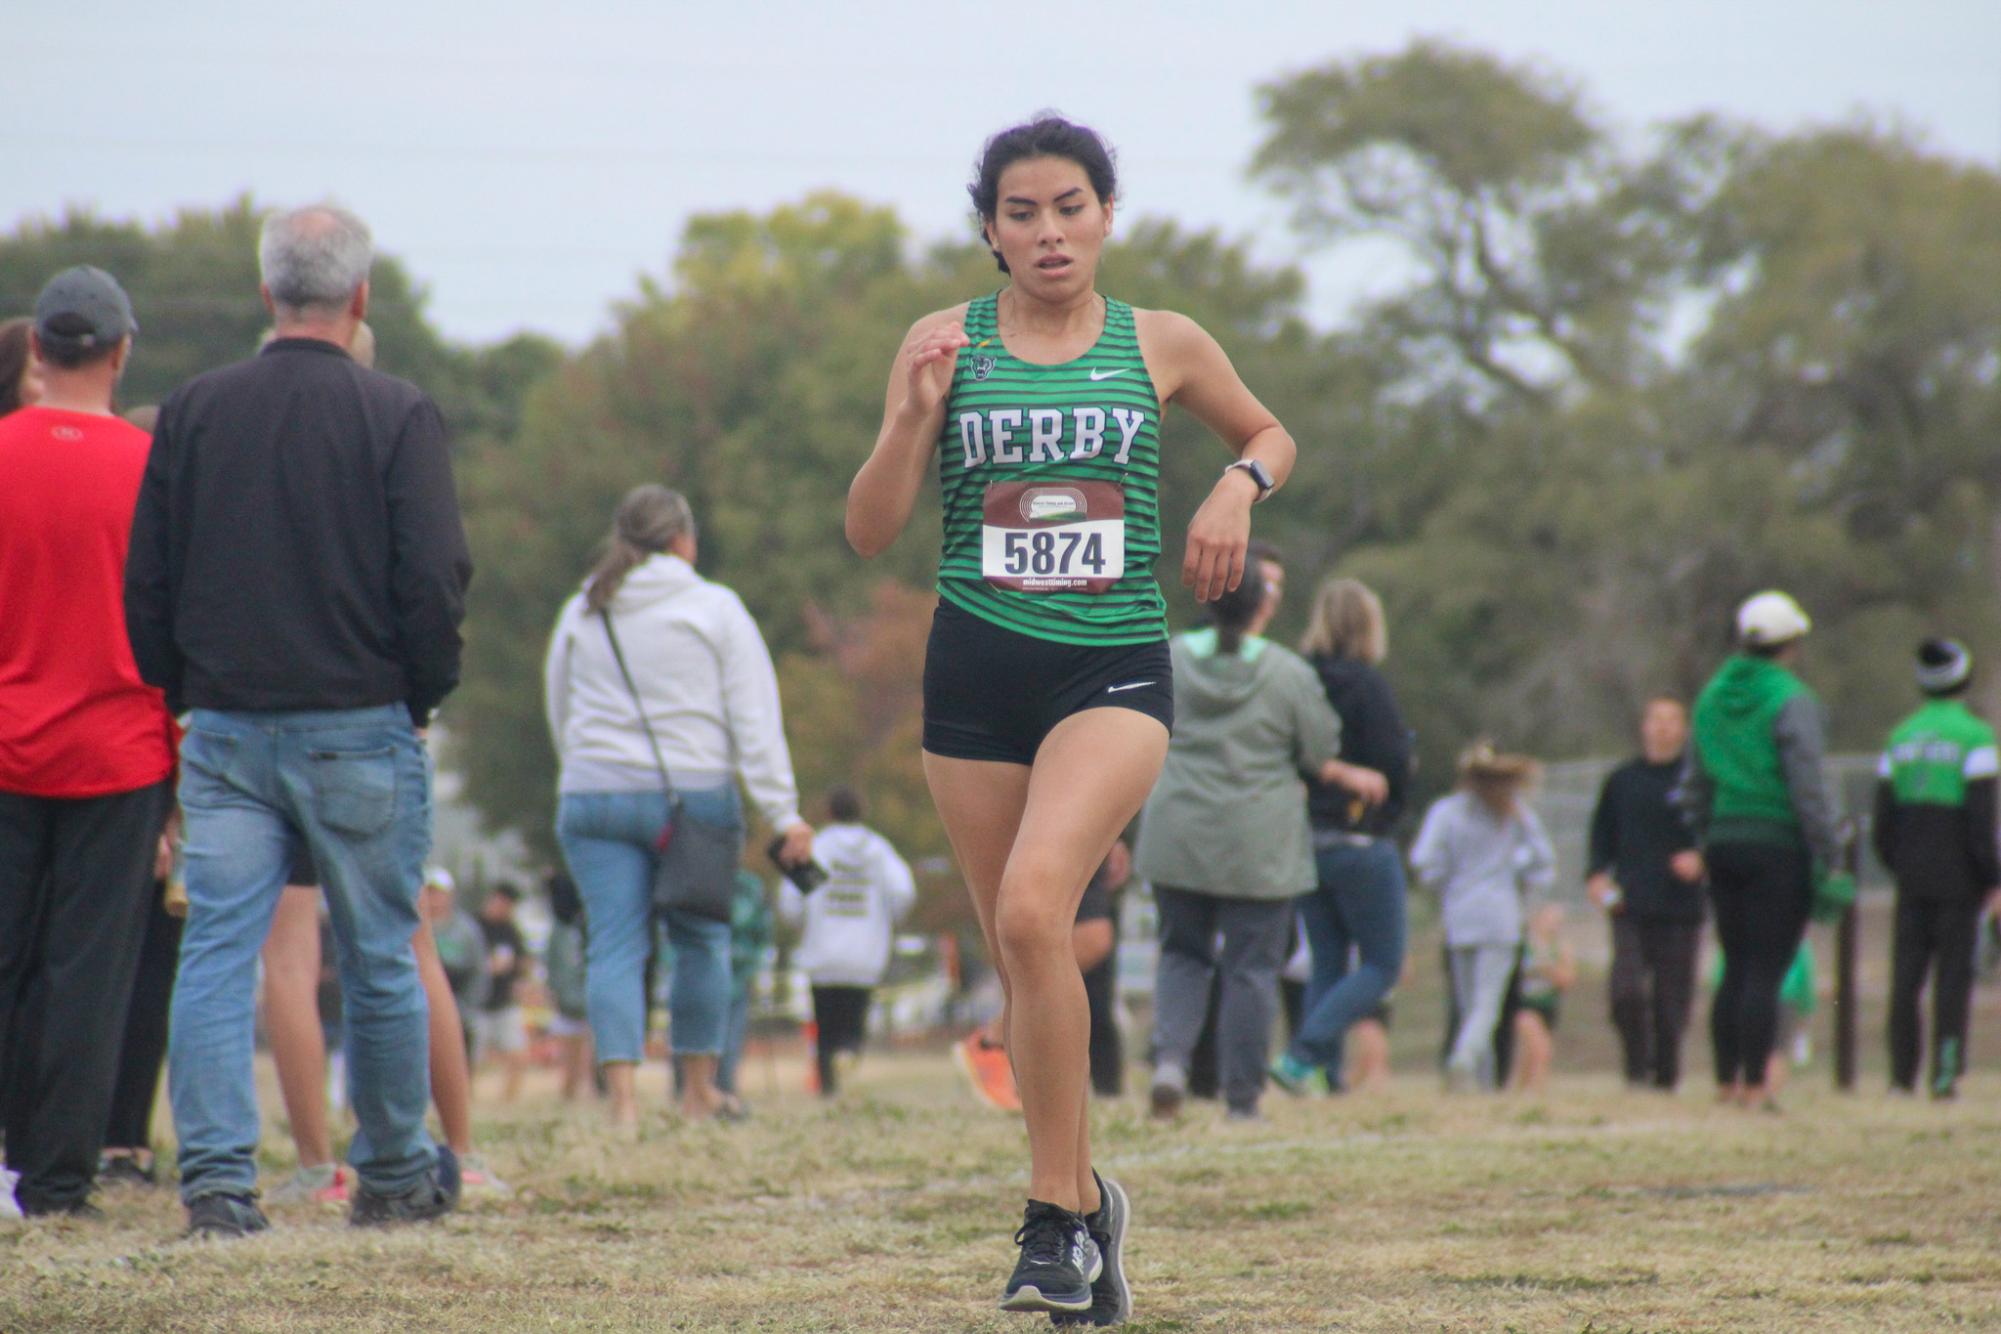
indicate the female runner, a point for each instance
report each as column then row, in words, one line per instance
column 1047, row 686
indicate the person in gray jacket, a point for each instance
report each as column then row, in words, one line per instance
column 1224, row 839
column 1483, row 850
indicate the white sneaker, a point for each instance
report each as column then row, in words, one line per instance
column 9, row 1210
column 474, row 1174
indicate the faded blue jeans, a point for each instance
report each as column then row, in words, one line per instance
column 609, row 840
column 355, row 785
column 1359, row 903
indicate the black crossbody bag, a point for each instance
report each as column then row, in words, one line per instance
column 698, row 858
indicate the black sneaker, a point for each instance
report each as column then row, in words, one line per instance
column 434, row 1196
column 224, row 1217
column 1111, row 1296
column 124, row 1169
column 1059, row 1262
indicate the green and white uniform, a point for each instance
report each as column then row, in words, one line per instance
column 1036, row 463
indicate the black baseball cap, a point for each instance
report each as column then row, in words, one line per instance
column 83, row 308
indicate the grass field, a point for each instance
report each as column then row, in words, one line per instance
column 1588, row 1208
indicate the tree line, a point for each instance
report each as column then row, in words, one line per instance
column 1619, row 381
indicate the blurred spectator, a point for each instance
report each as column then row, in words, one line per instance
column 1095, row 937
column 461, row 949
column 1357, row 904
column 1645, row 873
column 1483, row 851
column 847, row 930
column 86, row 748
column 20, row 373
column 1754, row 791
column 750, row 940
column 127, row 1155
column 563, row 969
column 657, row 678
column 1935, row 830
column 1548, row 970
column 498, row 1028
column 1224, row 840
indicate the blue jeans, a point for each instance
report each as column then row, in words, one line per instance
column 609, row 842
column 1360, row 902
column 735, row 1027
column 355, row 786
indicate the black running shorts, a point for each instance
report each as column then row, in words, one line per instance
column 993, row 694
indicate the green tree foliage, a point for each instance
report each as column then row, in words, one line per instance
column 1623, row 389
column 193, row 283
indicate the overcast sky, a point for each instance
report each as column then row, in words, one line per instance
column 527, row 161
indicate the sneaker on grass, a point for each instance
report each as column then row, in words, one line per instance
column 474, row 1174
column 988, row 1069
column 1297, row 1077
column 323, row 1183
column 221, row 1217
column 435, row 1195
column 1111, row 1295
column 1059, row 1262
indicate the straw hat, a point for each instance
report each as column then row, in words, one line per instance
column 1480, row 762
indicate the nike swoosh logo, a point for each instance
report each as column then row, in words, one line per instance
column 1106, row 375
column 1113, row 690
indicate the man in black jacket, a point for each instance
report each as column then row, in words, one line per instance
column 297, row 577
column 1646, row 874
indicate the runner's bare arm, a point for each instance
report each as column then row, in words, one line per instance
column 885, row 490
column 1190, row 368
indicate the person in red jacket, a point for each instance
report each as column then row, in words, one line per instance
column 86, row 747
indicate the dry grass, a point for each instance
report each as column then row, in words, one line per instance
column 1588, row 1209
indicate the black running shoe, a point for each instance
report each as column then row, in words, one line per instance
column 1111, row 1296
column 225, row 1217
column 1059, row 1262
column 436, row 1195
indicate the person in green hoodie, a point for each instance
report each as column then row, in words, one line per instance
column 1224, row 840
column 1934, row 829
column 1754, row 793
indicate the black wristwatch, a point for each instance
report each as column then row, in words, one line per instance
column 1258, row 474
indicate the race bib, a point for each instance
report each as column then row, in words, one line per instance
column 1053, row 537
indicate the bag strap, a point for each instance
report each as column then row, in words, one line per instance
column 652, row 742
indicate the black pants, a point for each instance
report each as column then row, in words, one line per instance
column 144, row 1048
column 1762, row 894
column 1931, row 934
column 75, row 875
column 841, row 1016
column 1108, row 1048
column 1653, row 982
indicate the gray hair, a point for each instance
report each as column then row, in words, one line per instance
column 648, row 521
column 313, row 258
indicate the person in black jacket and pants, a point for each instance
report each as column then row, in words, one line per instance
column 1646, row 874
column 1935, row 830
column 296, row 577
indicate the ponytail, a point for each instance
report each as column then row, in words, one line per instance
column 647, row 522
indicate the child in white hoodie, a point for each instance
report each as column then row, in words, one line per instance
column 849, row 924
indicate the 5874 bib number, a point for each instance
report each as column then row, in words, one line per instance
column 1053, row 537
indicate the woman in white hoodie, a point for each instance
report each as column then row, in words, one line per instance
column 701, row 672
column 849, row 925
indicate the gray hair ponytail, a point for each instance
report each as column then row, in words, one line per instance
column 646, row 523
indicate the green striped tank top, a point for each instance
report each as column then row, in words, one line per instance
column 1046, row 444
